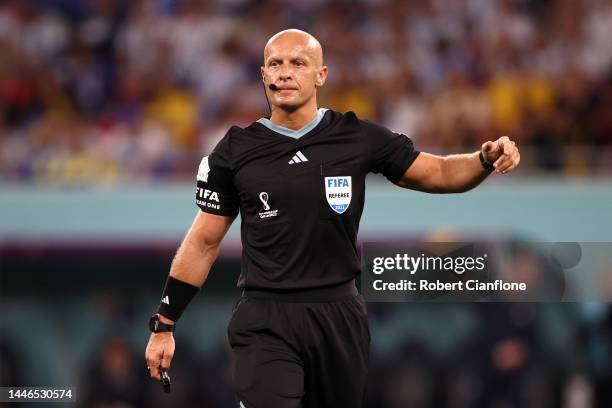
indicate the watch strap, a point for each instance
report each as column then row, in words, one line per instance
column 158, row 327
column 487, row 166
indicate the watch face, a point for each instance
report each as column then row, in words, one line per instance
column 153, row 324
column 157, row 327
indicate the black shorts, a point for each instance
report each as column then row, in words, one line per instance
column 301, row 350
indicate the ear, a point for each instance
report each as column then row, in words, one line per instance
column 263, row 75
column 321, row 76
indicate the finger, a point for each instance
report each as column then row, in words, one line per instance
column 150, row 371
column 153, row 365
column 488, row 147
column 503, row 161
column 504, row 145
column 499, row 162
column 154, row 372
column 509, row 165
column 506, row 154
column 516, row 158
column 166, row 360
column 507, row 148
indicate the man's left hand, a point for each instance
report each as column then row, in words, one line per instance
column 503, row 153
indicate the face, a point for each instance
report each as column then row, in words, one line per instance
column 293, row 64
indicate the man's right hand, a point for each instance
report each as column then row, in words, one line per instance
column 191, row 264
column 159, row 353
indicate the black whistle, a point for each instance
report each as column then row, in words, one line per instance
column 165, row 379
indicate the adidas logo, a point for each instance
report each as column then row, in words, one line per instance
column 298, row 157
column 166, row 300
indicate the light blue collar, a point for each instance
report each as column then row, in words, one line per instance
column 296, row 134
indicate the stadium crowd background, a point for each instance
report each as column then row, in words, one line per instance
column 109, row 92
column 105, row 91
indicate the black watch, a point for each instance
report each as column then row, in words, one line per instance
column 158, row 327
column 488, row 166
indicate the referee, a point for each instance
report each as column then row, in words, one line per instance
column 299, row 330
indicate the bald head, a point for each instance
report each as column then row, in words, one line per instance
column 293, row 63
column 296, row 39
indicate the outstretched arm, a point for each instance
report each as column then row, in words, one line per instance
column 459, row 172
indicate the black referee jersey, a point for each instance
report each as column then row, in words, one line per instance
column 300, row 200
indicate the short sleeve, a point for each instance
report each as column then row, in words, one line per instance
column 215, row 192
column 392, row 153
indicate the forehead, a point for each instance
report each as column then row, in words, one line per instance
column 289, row 48
column 292, row 53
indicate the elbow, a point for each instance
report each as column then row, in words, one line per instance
column 437, row 189
column 202, row 248
column 460, row 189
column 454, row 189
column 449, row 190
column 210, row 251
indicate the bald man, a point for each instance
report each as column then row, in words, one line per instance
column 299, row 330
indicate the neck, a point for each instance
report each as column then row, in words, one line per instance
column 296, row 119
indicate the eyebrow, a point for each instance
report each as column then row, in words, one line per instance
column 294, row 59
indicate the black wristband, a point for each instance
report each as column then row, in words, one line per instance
column 177, row 295
column 488, row 166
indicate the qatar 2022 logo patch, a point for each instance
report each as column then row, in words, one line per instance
column 338, row 191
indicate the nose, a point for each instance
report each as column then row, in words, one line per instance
column 284, row 73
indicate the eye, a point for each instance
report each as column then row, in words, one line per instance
column 273, row 64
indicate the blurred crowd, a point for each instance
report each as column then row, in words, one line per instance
column 510, row 354
column 105, row 91
column 446, row 355
column 469, row 355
